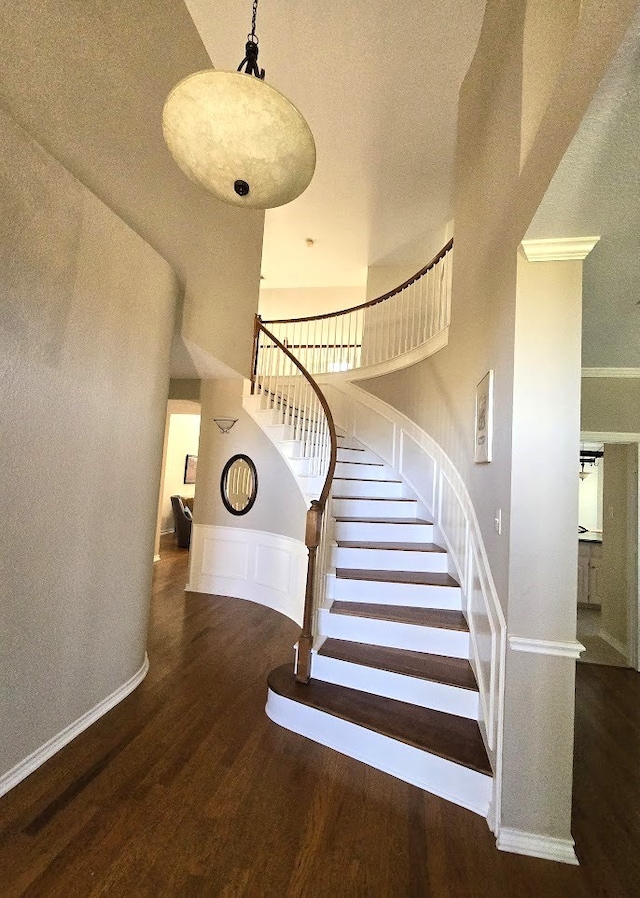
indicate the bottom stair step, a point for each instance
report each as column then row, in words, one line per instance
column 446, row 735
column 437, row 752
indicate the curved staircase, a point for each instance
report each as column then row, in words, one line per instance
column 382, row 669
column 391, row 683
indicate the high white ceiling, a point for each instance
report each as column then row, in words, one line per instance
column 378, row 84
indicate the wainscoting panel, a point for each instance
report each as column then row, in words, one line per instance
column 249, row 564
column 440, row 489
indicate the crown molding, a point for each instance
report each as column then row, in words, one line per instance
column 558, row 249
column 546, row 647
column 611, row 372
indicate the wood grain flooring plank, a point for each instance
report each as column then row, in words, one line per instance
column 187, row 789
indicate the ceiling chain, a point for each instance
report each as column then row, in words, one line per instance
column 250, row 61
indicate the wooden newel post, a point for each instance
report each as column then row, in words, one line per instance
column 305, row 642
column 254, row 357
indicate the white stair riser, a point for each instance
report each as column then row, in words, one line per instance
column 302, row 466
column 350, row 455
column 389, row 533
column 453, row 782
column 432, row 640
column 251, row 403
column 407, row 594
column 424, row 693
column 279, row 432
column 366, row 508
column 291, row 448
column 267, row 415
column 365, row 472
column 390, row 560
column 368, row 489
column 349, row 442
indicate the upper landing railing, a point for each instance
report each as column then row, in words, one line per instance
column 376, row 332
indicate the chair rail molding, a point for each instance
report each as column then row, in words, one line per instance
column 611, row 372
column 558, row 249
column 570, row 649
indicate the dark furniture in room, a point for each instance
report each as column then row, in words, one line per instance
column 182, row 522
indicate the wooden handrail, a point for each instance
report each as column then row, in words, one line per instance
column 315, row 513
column 372, row 302
column 325, row 408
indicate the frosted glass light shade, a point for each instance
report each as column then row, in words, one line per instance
column 225, row 127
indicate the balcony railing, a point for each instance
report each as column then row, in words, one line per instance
column 378, row 331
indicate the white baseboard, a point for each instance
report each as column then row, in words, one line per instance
column 23, row 768
column 533, row 845
column 262, row 567
column 614, row 643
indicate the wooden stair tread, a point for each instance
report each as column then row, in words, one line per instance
column 417, row 578
column 377, row 498
column 372, row 464
column 438, row 668
column 454, row 738
column 366, row 480
column 392, row 547
column 442, row 618
column 348, row 520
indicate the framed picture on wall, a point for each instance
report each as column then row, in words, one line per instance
column 190, row 465
column 484, row 419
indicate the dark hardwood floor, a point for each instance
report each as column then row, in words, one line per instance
column 188, row 789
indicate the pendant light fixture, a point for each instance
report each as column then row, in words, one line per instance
column 238, row 137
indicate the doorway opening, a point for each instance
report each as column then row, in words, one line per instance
column 608, row 584
column 178, row 477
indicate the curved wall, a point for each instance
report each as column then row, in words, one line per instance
column 261, row 555
column 86, row 317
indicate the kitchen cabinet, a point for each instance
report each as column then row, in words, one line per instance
column 589, row 571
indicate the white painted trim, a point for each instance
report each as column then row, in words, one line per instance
column 614, row 643
column 256, row 565
column 594, row 436
column 37, row 758
column 394, row 430
column 611, row 372
column 546, row 647
column 405, row 360
column 534, row 845
column 448, row 780
column 558, row 249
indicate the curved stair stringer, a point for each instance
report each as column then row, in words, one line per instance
column 411, row 631
column 428, row 471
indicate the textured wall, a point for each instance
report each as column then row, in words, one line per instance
column 279, row 506
column 89, row 81
column 610, row 404
column 86, row 315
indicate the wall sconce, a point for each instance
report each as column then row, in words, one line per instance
column 225, row 424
